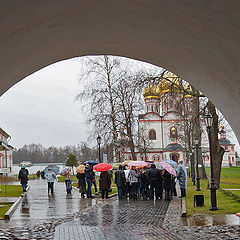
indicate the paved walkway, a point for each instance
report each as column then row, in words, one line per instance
column 67, row 216
column 119, row 220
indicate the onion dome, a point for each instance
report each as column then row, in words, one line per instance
column 188, row 91
column 151, row 91
column 170, row 82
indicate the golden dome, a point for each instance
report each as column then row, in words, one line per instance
column 151, row 91
column 170, row 82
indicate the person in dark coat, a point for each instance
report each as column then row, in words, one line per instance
column 81, row 183
column 94, row 180
column 167, row 185
column 155, row 179
column 23, row 177
column 89, row 177
column 105, row 183
column 144, row 183
column 120, row 181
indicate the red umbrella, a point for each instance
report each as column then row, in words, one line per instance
column 102, row 167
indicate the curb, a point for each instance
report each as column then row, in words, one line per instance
column 11, row 210
column 183, row 205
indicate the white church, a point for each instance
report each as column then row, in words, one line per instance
column 161, row 128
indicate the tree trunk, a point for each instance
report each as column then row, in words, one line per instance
column 197, row 133
column 217, row 150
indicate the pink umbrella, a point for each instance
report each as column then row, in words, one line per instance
column 137, row 164
column 169, row 168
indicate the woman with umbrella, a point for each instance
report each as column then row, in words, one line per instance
column 81, row 180
column 50, row 176
column 167, row 176
column 105, row 177
column 67, row 178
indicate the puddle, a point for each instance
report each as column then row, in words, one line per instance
column 211, row 220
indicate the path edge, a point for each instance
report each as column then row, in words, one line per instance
column 12, row 209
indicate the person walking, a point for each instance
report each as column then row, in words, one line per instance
column 82, row 183
column 50, row 176
column 133, row 179
column 155, row 179
column 120, row 181
column 182, row 178
column 105, row 183
column 167, row 185
column 89, row 177
column 23, row 177
column 68, row 182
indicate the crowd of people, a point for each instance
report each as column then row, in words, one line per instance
column 144, row 183
column 134, row 183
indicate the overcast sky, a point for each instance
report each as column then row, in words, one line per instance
column 41, row 107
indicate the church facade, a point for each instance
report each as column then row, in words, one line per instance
column 162, row 128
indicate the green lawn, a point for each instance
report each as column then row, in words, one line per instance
column 227, row 201
column 10, row 190
column 4, row 209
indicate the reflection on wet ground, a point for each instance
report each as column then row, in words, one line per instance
column 39, row 206
column 211, row 220
column 119, row 220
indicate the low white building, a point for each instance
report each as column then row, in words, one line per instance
column 6, row 160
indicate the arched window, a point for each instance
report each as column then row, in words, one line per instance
column 152, row 108
column 152, row 134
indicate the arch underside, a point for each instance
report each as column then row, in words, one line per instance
column 197, row 40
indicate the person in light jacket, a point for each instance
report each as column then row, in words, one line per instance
column 50, row 176
column 182, row 178
column 133, row 179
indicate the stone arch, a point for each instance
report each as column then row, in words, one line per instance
column 197, row 45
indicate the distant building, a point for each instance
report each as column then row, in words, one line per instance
column 6, row 161
column 161, row 128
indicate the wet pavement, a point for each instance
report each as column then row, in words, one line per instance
column 119, row 220
column 67, row 216
column 38, row 206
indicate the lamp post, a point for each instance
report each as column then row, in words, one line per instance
column 99, row 140
column 213, row 188
column 193, row 167
column 196, row 141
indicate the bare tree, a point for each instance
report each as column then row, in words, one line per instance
column 100, row 78
column 217, row 150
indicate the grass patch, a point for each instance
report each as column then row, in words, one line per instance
column 10, row 190
column 226, row 203
column 4, row 209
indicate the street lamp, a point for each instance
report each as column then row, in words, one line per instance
column 196, row 141
column 193, row 167
column 213, row 188
column 99, row 140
